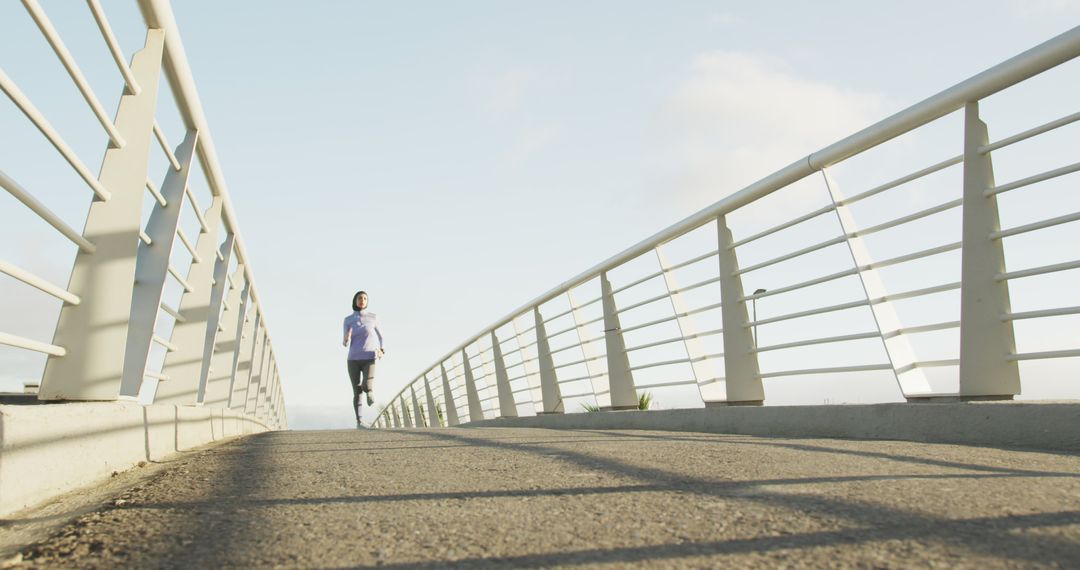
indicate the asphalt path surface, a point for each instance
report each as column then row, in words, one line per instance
column 464, row 498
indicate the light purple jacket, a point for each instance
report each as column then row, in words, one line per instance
column 366, row 336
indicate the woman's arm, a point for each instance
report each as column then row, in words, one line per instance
column 378, row 333
column 347, row 333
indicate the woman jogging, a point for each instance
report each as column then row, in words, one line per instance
column 362, row 329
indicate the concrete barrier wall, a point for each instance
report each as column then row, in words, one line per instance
column 1038, row 425
column 46, row 450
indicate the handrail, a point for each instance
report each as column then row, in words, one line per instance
column 1032, row 62
column 116, row 288
column 965, row 94
column 158, row 14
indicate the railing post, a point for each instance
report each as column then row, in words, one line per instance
column 529, row 366
column 185, row 366
column 507, row 406
column 272, row 394
column 910, row 379
column 264, row 381
column 394, row 412
column 252, row 395
column 271, row 399
column 95, row 331
column 231, row 343
column 406, row 415
column 151, row 268
column 448, row 399
column 620, row 378
column 476, row 412
column 269, row 385
column 986, row 339
column 432, row 409
column 245, row 368
column 416, row 409
column 549, row 383
column 598, row 375
column 742, row 377
column 213, row 322
column 700, row 367
column 268, row 395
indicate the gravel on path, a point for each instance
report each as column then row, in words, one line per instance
column 501, row 498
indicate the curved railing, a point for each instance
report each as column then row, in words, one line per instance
column 163, row 293
column 923, row 275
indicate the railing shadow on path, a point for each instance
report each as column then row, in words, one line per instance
column 236, row 509
column 879, row 522
column 821, row 448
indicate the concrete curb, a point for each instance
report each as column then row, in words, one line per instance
column 47, row 450
column 1051, row 426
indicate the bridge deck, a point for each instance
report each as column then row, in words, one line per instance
column 520, row 497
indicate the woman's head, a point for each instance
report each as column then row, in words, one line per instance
column 359, row 301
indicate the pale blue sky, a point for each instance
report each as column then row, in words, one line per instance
column 457, row 159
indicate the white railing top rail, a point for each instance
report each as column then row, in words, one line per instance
column 163, row 53
column 159, row 14
column 1034, row 61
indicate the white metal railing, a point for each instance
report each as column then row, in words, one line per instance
column 217, row 350
column 705, row 333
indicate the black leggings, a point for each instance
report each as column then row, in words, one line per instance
column 358, row 368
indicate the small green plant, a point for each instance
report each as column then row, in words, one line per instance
column 591, row 407
column 439, row 413
column 644, row 401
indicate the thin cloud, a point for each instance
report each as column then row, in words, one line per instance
column 1037, row 8
column 505, row 92
column 723, row 19
column 532, row 140
column 738, row 117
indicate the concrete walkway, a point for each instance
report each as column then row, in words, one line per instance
column 545, row 498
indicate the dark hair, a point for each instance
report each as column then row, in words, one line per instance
column 356, row 297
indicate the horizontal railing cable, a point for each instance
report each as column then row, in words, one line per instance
column 76, row 74
column 32, row 345
column 1042, row 177
column 114, row 46
column 922, row 329
column 172, row 313
column 903, row 180
column 832, row 370
column 43, row 212
column 1053, row 268
column 23, row 103
column 156, row 193
column 188, row 245
column 810, row 312
column 1041, row 313
column 1044, row 128
column 821, row 340
column 798, row 253
column 1067, row 218
column 783, row 226
column 38, row 283
column 1046, row 354
column 195, row 207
